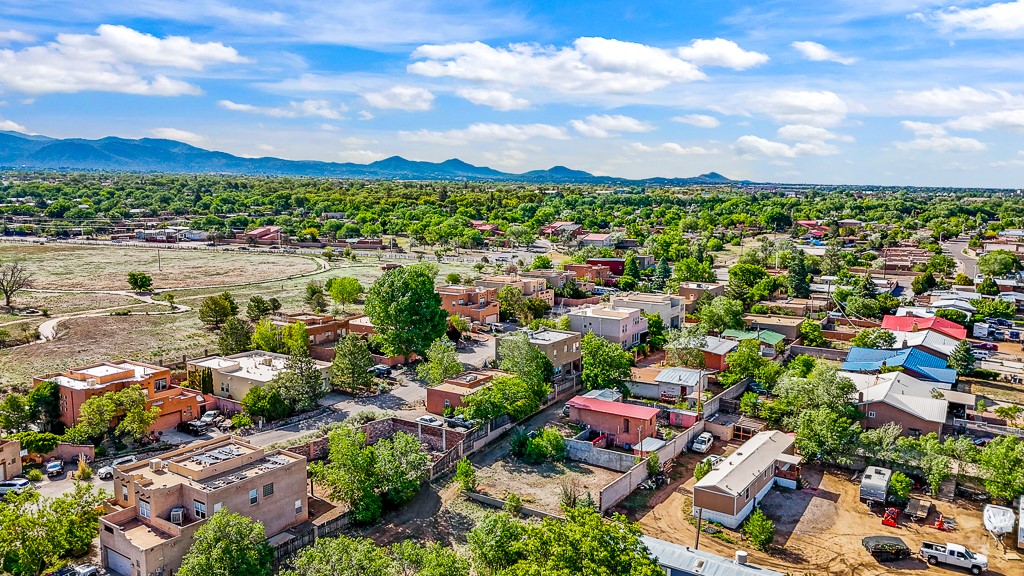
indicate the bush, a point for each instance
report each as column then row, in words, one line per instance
column 35, row 474
column 759, row 530
column 513, row 503
column 517, row 441
column 899, row 487
column 101, row 451
column 547, row 445
column 701, row 469
column 653, row 465
column 985, row 374
column 84, row 471
column 241, row 420
column 465, row 475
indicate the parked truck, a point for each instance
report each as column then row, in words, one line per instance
column 954, row 555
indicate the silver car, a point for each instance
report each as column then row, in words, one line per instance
column 107, row 472
column 703, row 443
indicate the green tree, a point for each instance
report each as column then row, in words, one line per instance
column 760, row 530
column 994, row 308
column 655, row 331
column 433, row 559
column 342, row 556
column 630, row 273
column 406, row 311
column 541, row 262
column 988, row 287
column 316, row 297
column 16, row 413
column 400, row 466
column 301, row 384
column 962, row 358
column 799, row 276
column 506, row 395
column 879, row 338
column 442, row 362
column 721, row 314
column 825, row 435
column 265, row 402
column 605, row 365
column 465, row 475
column 923, row 283
column 38, row 442
column 685, row 347
column 345, row 291
column 692, row 270
column 742, row 280
column 534, row 307
column 140, row 281
column 861, row 307
column 235, row 336
column 350, row 370
column 215, row 310
column 267, row 337
column 496, row 543
column 900, row 486
column 701, row 469
column 880, row 444
column 1002, row 465
column 511, row 302
column 957, row 316
column 295, row 338
column 96, row 414
column 518, row 356
column 811, row 333
column 962, row 280
column 663, row 270
column 998, row 263
column 228, row 544
column 258, row 308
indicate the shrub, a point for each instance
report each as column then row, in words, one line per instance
column 465, row 475
column 84, row 471
column 899, row 487
column 759, row 530
column 547, row 445
column 241, row 420
column 101, row 451
column 513, row 503
column 517, row 441
column 985, row 374
column 35, row 474
column 653, row 465
column 701, row 469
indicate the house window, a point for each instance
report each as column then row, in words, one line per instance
column 143, row 508
column 225, row 387
column 625, row 425
column 746, row 493
column 160, row 384
column 447, row 404
column 200, row 508
column 253, row 497
column 217, row 507
column 124, row 492
column 298, row 507
column 871, row 414
column 268, row 489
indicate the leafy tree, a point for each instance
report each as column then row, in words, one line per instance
column 301, row 384
column 266, row 402
column 453, row 278
column 1002, row 465
column 521, row 358
column 345, row 290
column 811, row 333
column 957, row 316
column 702, row 469
column 406, row 311
column 962, row 358
column 465, row 475
column 923, row 283
column 880, row 444
column 900, row 486
column 655, row 331
column 235, row 336
column 96, row 414
column 16, row 413
column 879, row 338
column 534, row 307
column 799, row 276
column 140, row 281
column 433, row 559
column 962, row 280
column 316, row 296
column 862, row 307
column 506, row 395
column 692, row 270
column 663, row 270
column 350, row 370
column 228, row 544
column 400, row 466
column 15, row 276
column 759, row 530
column 215, row 310
column 825, row 435
column 342, row 556
column 749, row 404
column 1009, row 412
column 258, row 308
column 267, row 337
column 746, row 361
column 685, row 347
column 988, row 287
column 541, row 262
column 442, row 362
column 605, row 365
column 721, row 314
column 998, row 263
column 630, row 273
column 994, row 308
column 511, row 302
column 295, row 338
column 38, row 442
column 742, row 280
column 497, row 543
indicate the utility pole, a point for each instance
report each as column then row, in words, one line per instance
column 158, row 260
column 700, row 516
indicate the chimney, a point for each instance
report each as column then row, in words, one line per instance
column 741, row 557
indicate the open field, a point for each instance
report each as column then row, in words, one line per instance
column 106, row 268
column 819, row 529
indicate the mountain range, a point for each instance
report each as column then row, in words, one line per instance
column 33, row 152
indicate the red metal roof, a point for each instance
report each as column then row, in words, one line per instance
column 940, row 325
column 616, row 408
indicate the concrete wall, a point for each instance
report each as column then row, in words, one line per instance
column 733, row 392
column 65, row 451
column 583, row 451
column 496, row 503
column 813, row 352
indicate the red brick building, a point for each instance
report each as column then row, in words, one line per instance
column 627, row 424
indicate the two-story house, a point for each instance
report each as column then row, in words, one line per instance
column 670, row 307
column 474, row 302
column 235, row 375
column 528, row 287
column 623, row 326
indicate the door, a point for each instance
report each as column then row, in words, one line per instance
column 118, row 563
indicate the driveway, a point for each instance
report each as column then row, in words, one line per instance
column 478, row 352
column 967, row 264
column 53, row 487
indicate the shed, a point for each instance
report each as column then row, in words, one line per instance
column 606, row 394
column 874, row 485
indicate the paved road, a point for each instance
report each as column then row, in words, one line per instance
column 966, row 264
column 51, row 488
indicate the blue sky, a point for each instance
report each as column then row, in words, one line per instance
column 913, row 92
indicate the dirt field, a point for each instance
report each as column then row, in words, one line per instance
column 819, row 529
column 101, row 268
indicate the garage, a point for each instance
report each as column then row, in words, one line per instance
column 118, row 563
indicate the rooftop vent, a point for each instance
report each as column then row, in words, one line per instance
column 741, row 557
column 156, row 464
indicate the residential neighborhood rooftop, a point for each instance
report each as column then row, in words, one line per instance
column 615, row 408
column 735, row 472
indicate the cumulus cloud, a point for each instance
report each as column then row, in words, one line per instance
column 1000, row 17
column 805, row 133
column 590, row 65
column 755, row 146
column 721, row 52
column 934, row 138
column 12, row 126
column 939, row 101
column 360, row 156
column 179, row 135
column 698, row 120
column 294, row 109
column 811, row 107
column 819, row 53
column 109, row 61
column 486, row 132
column 996, row 120
column 401, row 97
column 671, row 147
column 365, row 115
column 608, row 125
column 8, row 36
column 496, row 99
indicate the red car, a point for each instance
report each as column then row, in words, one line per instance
column 984, row 346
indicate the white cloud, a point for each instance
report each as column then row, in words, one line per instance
column 672, row 148
column 365, row 115
column 401, row 97
column 721, row 52
column 810, row 107
column 818, row 53
column 179, row 135
column 608, row 125
column 8, row 36
column 1000, row 17
column 753, row 146
column 107, row 61
column 590, row 65
column 805, row 133
column 485, row 132
column 329, row 127
column 360, row 156
column 496, row 99
column 997, row 120
column 12, row 126
column 933, row 138
column 698, row 120
column 294, row 109
column 939, row 101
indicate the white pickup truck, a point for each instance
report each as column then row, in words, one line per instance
column 954, row 555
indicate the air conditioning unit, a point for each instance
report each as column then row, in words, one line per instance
column 156, row 464
column 177, row 516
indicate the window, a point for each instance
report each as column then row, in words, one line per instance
column 225, row 387
column 143, row 508
column 447, row 404
column 160, row 384
column 200, row 508
column 253, row 497
column 625, row 425
column 871, row 414
column 268, row 489
column 746, row 493
column 217, row 507
column 124, row 492
column 298, row 507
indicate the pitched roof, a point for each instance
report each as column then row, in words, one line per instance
column 769, row 337
column 737, row 471
column 688, row 561
column 932, row 340
column 615, row 408
column 929, row 366
column 680, row 376
column 930, row 409
column 719, row 346
column 912, row 324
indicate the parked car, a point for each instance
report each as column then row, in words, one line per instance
column 16, row 485
column 54, row 468
column 712, row 459
column 107, row 472
column 984, row 346
column 211, row 417
column 430, row 421
column 194, row 428
column 458, row 422
column 497, row 327
column 954, row 555
column 982, row 354
column 83, row 570
column 886, row 548
column 703, row 443
column 379, row 370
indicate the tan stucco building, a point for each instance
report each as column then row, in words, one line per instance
column 235, row 375
column 10, row 459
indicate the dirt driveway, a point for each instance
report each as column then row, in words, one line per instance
column 819, row 529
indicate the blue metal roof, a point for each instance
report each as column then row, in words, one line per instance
column 911, row 359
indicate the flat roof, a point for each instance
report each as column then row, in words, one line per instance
column 548, row 336
column 772, row 319
column 617, row 313
column 736, row 472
